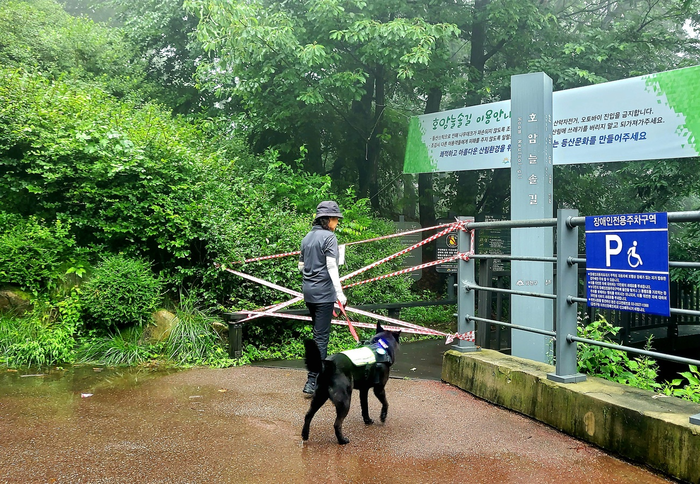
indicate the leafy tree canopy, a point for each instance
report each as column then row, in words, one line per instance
column 39, row 34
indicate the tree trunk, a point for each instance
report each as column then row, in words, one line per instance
column 431, row 280
column 362, row 116
column 374, row 147
column 464, row 203
column 313, row 163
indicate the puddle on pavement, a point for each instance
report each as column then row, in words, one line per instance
column 84, row 381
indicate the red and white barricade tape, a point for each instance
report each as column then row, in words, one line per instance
column 462, row 256
column 408, row 327
column 297, row 252
column 468, row 336
column 404, row 251
column 338, row 322
column 401, row 234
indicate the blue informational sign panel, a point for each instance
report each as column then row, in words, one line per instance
column 627, row 262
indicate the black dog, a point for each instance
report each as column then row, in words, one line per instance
column 362, row 369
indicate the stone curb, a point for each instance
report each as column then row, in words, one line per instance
column 635, row 424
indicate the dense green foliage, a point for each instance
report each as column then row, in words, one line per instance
column 341, row 77
column 612, row 364
column 34, row 254
column 112, row 204
column 44, row 336
column 119, row 172
column 640, row 372
column 39, row 34
column 687, row 391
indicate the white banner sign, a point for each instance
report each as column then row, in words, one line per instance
column 642, row 118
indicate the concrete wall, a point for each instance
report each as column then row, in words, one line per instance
column 632, row 423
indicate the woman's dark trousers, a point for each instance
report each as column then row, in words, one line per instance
column 321, row 314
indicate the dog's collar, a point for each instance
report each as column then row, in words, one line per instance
column 383, row 351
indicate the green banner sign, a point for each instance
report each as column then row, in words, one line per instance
column 642, row 118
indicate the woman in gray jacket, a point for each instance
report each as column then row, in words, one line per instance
column 318, row 262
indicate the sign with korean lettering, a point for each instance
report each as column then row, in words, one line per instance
column 651, row 117
column 494, row 241
column 414, row 257
column 627, row 263
column 531, row 198
column 446, row 247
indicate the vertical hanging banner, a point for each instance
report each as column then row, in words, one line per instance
column 650, row 117
column 627, row 263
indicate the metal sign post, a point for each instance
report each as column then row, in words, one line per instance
column 531, row 198
column 465, row 298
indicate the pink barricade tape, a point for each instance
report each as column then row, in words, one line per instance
column 404, row 251
column 407, row 327
column 297, row 252
column 358, row 324
column 410, row 269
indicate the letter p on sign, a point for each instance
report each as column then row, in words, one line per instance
column 609, row 250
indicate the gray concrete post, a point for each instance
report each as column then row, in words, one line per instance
column 465, row 297
column 531, row 185
column 566, row 312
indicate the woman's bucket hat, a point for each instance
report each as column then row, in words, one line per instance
column 328, row 209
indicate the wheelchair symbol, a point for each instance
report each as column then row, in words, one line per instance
column 613, row 246
column 632, row 255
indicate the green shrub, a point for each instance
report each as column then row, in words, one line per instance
column 46, row 336
column 40, row 34
column 123, row 174
column 687, row 391
column 34, row 255
column 612, row 364
column 121, row 292
column 194, row 339
column 121, row 348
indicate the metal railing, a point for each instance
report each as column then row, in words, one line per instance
column 565, row 299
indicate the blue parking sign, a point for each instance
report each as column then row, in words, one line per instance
column 627, row 262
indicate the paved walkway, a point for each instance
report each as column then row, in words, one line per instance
column 240, row 425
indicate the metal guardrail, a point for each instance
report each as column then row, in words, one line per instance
column 566, row 297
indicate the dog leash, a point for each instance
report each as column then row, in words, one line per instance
column 350, row 326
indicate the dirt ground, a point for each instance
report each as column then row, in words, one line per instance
column 240, row 425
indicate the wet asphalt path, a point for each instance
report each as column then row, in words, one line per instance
column 240, row 425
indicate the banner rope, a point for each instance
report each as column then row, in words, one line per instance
column 461, row 255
